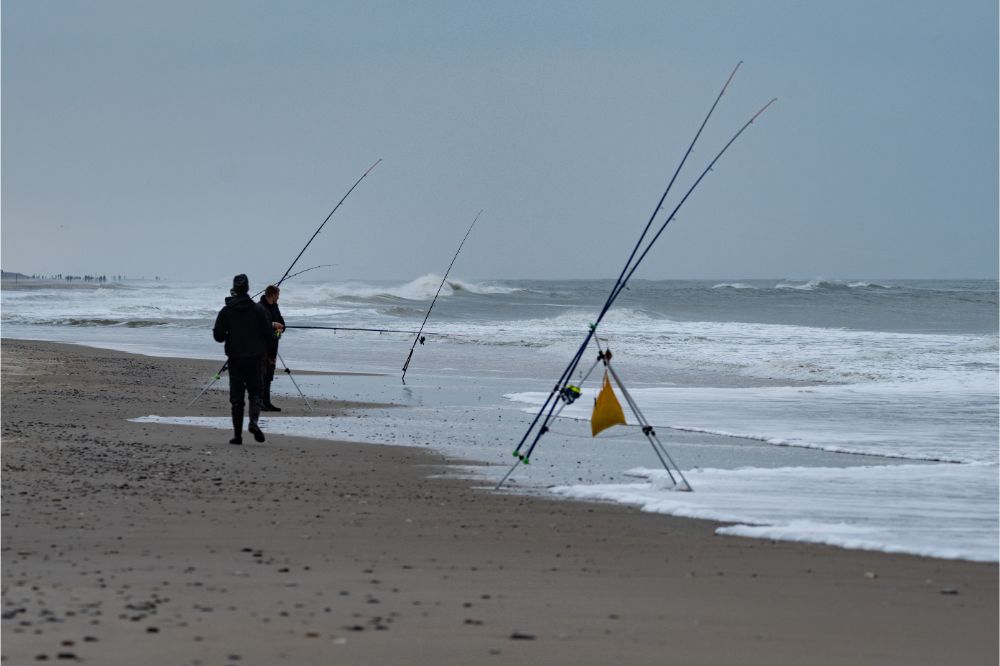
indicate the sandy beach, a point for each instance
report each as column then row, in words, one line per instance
column 133, row 543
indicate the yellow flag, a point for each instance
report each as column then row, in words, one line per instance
column 607, row 409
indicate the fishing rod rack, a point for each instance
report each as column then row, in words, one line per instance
column 561, row 391
column 571, row 393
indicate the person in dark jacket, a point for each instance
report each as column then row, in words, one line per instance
column 246, row 329
column 269, row 301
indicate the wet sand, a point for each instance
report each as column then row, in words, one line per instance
column 130, row 543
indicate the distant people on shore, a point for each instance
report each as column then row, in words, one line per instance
column 10, row 275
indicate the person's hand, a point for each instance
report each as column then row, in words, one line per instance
column 278, row 326
column 272, row 360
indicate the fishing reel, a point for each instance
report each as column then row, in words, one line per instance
column 569, row 394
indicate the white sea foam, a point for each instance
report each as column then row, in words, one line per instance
column 918, row 509
column 921, row 421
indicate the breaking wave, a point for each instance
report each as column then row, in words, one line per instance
column 823, row 284
column 127, row 323
column 420, row 289
column 733, row 285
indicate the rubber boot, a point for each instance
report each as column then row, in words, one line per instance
column 266, row 401
column 237, row 425
column 254, row 415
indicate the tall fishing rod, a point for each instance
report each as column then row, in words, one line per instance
column 418, row 338
column 616, row 290
column 284, row 277
column 316, row 233
column 567, row 373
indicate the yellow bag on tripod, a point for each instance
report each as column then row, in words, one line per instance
column 607, row 409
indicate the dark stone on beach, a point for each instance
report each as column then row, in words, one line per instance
column 949, row 590
column 521, row 636
column 66, row 655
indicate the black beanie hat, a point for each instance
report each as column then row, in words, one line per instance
column 241, row 284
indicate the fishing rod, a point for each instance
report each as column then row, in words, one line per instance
column 301, row 252
column 296, row 275
column 316, row 233
column 216, row 377
column 619, row 286
column 418, row 338
column 370, row 330
column 567, row 373
column 309, row 269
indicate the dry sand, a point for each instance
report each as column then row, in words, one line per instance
column 128, row 543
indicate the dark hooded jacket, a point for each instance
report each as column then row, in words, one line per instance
column 274, row 314
column 245, row 328
column 272, row 311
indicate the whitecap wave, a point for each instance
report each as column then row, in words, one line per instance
column 824, row 284
column 734, row 285
column 422, row 288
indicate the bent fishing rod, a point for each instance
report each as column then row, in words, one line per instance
column 316, row 233
column 296, row 275
column 284, row 277
column 619, row 286
column 418, row 338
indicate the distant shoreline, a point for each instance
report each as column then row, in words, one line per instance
column 12, row 284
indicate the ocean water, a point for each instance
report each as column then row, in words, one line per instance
column 858, row 413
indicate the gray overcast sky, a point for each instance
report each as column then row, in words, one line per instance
column 200, row 139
